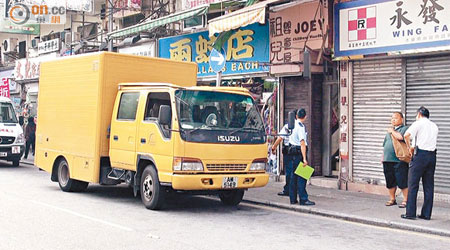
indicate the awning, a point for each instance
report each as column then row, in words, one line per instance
column 255, row 13
column 151, row 24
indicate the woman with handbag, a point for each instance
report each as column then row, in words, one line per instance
column 395, row 161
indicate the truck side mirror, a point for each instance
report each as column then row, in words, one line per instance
column 165, row 115
column 291, row 120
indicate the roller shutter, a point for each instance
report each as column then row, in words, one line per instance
column 377, row 93
column 428, row 84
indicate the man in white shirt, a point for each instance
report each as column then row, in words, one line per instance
column 284, row 137
column 298, row 143
column 423, row 164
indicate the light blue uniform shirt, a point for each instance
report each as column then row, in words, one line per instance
column 299, row 134
column 283, row 132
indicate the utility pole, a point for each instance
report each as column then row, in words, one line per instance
column 110, row 24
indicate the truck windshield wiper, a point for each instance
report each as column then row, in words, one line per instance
column 245, row 129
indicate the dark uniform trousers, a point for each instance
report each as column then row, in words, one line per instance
column 288, row 169
column 297, row 184
column 422, row 167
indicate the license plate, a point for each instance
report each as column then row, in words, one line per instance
column 15, row 150
column 229, row 182
column 3, row 154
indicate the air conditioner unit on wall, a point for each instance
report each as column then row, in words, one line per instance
column 68, row 38
column 76, row 36
column 35, row 43
column 10, row 44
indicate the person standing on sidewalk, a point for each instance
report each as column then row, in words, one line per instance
column 423, row 164
column 395, row 171
column 298, row 147
column 284, row 137
column 30, row 136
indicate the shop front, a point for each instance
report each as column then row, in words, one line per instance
column 300, row 57
column 396, row 66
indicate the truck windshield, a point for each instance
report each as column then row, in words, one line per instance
column 227, row 114
column 7, row 114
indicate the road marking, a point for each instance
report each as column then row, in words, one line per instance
column 281, row 210
column 83, row 216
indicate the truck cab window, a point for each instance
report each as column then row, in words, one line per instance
column 154, row 101
column 128, row 106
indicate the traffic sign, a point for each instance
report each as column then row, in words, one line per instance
column 216, row 60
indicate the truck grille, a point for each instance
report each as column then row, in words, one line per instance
column 226, row 167
column 7, row 140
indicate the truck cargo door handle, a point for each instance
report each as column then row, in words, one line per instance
column 143, row 140
column 116, row 138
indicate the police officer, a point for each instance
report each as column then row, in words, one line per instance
column 298, row 144
column 284, row 137
column 423, row 164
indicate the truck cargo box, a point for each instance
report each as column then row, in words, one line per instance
column 76, row 99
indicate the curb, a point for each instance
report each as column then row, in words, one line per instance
column 27, row 162
column 351, row 218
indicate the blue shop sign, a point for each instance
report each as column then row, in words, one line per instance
column 247, row 50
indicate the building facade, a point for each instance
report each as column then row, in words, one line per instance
column 393, row 57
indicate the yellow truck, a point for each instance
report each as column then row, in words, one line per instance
column 110, row 118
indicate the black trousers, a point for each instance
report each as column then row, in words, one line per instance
column 422, row 167
column 30, row 144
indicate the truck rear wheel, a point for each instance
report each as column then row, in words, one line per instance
column 231, row 197
column 152, row 193
column 65, row 182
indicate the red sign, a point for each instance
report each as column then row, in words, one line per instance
column 4, row 87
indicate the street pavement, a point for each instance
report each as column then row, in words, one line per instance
column 357, row 207
column 36, row 214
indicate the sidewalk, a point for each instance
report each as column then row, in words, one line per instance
column 356, row 207
column 29, row 160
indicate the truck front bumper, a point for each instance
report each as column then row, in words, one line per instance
column 214, row 181
column 6, row 152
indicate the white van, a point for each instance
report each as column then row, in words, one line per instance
column 12, row 139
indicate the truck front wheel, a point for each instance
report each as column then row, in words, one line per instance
column 231, row 197
column 152, row 193
column 65, row 182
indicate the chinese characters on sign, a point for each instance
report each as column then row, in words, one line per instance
column 344, row 126
column 291, row 28
column 4, row 87
column 147, row 49
column 246, row 50
column 48, row 46
column 391, row 26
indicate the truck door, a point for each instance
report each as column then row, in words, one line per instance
column 154, row 140
column 123, row 131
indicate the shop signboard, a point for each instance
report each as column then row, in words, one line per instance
column 246, row 51
column 385, row 26
column 147, row 49
column 126, row 7
column 189, row 4
column 29, row 68
column 81, row 5
column 293, row 28
column 48, row 46
column 4, row 87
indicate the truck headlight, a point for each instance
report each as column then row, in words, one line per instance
column 20, row 139
column 187, row 164
column 258, row 165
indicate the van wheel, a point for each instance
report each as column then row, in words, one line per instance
column 65, row 182
column 152, row 193
column 231, row 197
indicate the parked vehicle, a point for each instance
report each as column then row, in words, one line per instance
column 111, row 118
column 12, row 140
